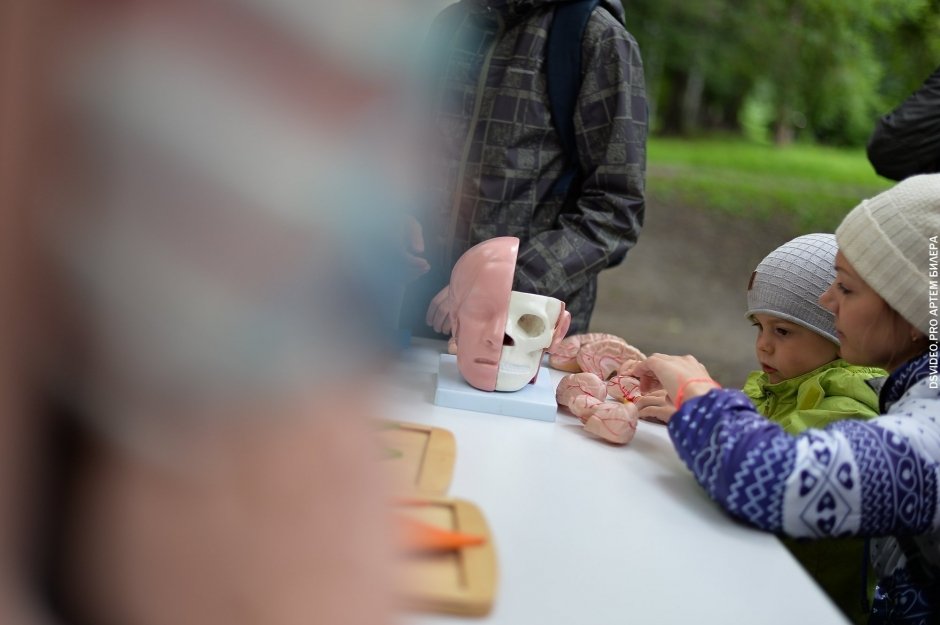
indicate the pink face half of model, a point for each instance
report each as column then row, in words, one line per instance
column 480, row 287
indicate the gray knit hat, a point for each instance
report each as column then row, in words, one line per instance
column 789, row 281
column 887, row 240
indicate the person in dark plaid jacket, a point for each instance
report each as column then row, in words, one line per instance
column 503, row 155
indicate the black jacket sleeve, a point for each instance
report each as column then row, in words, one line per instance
column 906, row 141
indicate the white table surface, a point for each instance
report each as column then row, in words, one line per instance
column 589, row 533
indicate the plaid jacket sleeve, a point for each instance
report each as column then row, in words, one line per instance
column 611, row 127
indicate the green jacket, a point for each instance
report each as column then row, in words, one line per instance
column 835, row 391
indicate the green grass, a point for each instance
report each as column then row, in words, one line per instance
column 812, row 185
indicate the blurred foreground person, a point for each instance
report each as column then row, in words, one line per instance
column 195, row 257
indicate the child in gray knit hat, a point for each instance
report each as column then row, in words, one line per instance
column 802, row 382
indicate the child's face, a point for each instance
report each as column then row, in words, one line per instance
column 871, row 333
column 786, row 350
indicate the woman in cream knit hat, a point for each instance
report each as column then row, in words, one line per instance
column 877, row 478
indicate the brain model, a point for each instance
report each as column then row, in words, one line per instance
column 596, row 352
column 598, row 363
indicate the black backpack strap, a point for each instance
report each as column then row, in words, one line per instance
column 563, row 77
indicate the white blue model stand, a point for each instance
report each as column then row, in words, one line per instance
column 534, row 401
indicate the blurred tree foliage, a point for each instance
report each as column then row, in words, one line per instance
column 779, row 70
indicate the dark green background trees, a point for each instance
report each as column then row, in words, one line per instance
column 779, row 70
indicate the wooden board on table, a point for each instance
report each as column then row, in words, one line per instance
column 455, row 582
column 420, row 456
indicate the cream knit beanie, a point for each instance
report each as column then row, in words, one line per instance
column 789, row 281
column 888, row 240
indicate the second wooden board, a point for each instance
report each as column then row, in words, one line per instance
column 420, row 456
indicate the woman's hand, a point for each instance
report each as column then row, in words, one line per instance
column 655, row 406
column 681, row 377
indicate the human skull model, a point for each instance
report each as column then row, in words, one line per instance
column 530, row 328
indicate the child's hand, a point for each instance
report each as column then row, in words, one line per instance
column 655, row 406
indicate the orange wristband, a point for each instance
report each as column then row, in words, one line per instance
column 681, row 392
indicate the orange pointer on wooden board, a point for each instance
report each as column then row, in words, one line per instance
column 419, row 537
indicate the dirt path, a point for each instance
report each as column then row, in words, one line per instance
column 682, row 289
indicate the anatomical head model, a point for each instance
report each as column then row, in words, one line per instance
column 500, row 333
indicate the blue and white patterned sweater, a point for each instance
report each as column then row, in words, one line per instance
column 876, row 478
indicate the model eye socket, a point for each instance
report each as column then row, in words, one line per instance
column 531, row 325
